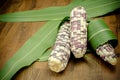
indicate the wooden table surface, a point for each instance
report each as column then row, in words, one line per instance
column 13, row 36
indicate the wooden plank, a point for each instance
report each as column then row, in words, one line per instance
column 14, row 35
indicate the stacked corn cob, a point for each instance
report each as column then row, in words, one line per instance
column 61, row 53
column 106, row 52
column 78, row 32
column 73, row 36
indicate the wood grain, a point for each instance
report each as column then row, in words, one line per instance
column 14, row 35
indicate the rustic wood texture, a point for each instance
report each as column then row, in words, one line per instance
column 14, row 35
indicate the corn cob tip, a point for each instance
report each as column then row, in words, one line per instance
column 78, row 55
column 55, row 65
column 106, row 52
column 112, row 61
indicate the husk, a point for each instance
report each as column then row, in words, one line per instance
column 99, row 33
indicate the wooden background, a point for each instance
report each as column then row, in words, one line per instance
column 13, row 36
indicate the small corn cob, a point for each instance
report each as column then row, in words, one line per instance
column 78, row 32
column 106, row 52
column 61, row 52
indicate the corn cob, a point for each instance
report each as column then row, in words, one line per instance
column 61, row 52
column 106, row 52
column 78, row 32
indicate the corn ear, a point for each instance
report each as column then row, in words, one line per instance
column 107, row 53
column 60, row 54
column 78, row 32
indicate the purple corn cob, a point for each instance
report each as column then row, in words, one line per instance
column 61, row 52
column 106, row 52
column 78, row 32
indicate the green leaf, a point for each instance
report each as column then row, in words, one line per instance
column 94, row 8
column 45, row 14
column 31, row 50
column 99, row 33
column 100, row 8
column 45, row 56
column 52, row 13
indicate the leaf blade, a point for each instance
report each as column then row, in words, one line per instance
column 58, row 13
column 103, row 9
column 23, row 57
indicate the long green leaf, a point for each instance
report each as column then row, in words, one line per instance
column 51, row 13
column 94, row 8
column 31, row 50
column 35, row 15
column 102, row 7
